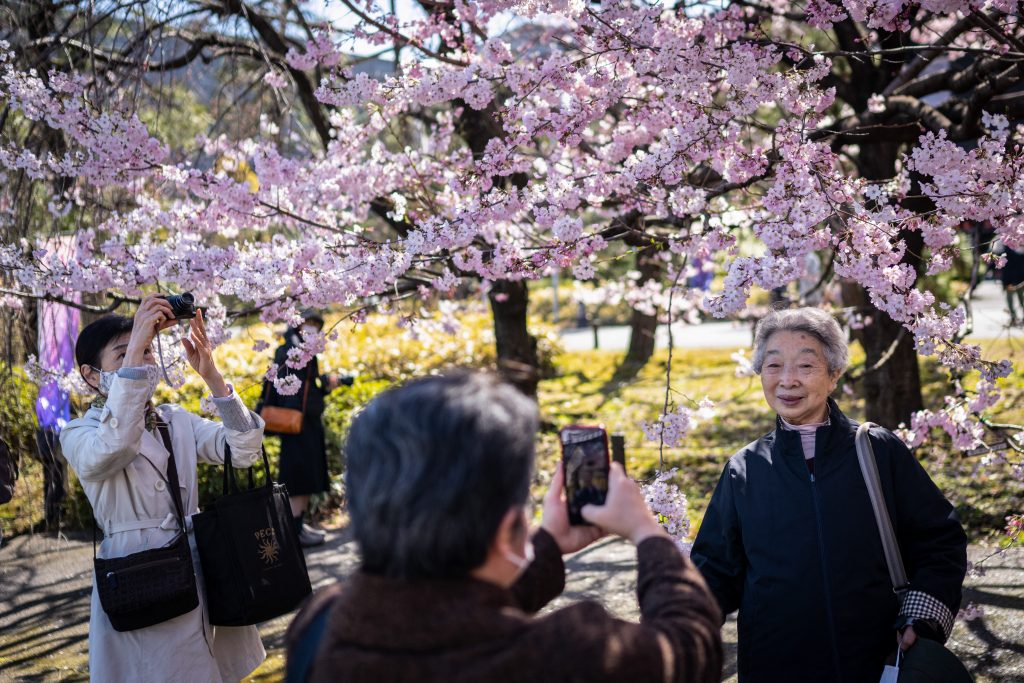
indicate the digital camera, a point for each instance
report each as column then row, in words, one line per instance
column 183, row 305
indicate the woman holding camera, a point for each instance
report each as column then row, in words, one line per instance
column 119, row 452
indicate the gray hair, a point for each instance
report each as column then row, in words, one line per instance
column 812, row 321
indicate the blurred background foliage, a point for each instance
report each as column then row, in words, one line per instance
column 579, row 387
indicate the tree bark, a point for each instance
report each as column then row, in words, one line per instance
column 516, row 347
column 642, row 327
column 892, row 391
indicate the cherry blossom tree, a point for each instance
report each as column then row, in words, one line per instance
column 512, row 138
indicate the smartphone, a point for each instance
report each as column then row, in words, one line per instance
column 585, row 463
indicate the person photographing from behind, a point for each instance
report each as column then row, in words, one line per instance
column 438, row 475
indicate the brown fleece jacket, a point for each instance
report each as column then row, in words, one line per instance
column 458, row 631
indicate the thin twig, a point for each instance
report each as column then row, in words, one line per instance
column 668, row 369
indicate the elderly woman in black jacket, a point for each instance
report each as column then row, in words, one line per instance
column 789, row 538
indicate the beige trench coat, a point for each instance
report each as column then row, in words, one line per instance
column 119, row 464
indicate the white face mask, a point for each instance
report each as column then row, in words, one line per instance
column 106, row 380
column 308, row 330
column 153, row 376
column 522, row 562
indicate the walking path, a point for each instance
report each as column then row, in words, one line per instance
column 988, row 308
column 45, row 585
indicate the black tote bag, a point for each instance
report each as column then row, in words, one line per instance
column 250, row 555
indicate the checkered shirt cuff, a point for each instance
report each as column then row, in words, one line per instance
column 920, row 605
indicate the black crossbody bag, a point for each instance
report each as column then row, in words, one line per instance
column 151, row 586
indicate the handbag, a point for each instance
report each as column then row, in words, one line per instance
column 926, row 660
column 283, row 420
column 150, row 586
column 252, row 563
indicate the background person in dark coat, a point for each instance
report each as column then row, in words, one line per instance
column 438, row 475
column 789, row 537
column 303, row 464
column 1012, row 277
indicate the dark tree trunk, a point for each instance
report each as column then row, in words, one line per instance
column 642, row 327
column 892, row 392
column 516, row 347
column 29, row 329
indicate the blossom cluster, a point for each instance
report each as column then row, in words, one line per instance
column 604, row 121
column 672, row 427
column 668, row 503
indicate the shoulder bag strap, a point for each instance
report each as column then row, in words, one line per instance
column 265, row 400
column 172, row 473
column 869, row 470
column 172, row 483
column 305, row 392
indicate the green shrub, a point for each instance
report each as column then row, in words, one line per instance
column 18, row 429
column 17, row 410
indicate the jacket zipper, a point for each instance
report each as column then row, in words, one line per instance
column 139, row 567
column 824, row 577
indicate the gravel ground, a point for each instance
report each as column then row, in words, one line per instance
column 45, row 584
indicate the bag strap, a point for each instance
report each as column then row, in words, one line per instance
column 172, row 472
column 869, row 470
column 230, row 485
column 305, row 392
column 172, row 482
column 265, row 399
column 303, row 649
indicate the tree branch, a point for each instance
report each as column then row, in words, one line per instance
column 115, row 303
column 276, row 42
column 915, row 67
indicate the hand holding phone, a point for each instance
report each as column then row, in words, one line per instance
column 555, row 520
column 585, row 466
column 625, row 512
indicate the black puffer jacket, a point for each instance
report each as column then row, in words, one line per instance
column 800, row 556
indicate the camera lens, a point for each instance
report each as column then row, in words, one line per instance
column 183, row 305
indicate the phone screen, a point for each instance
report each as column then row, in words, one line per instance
column 585, row 459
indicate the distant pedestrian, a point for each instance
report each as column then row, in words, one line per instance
column 58, row 330
column 810, row 286
column 8, row 476
column 1012, row 277
column 303, row 464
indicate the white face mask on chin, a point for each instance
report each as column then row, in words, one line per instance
column 522, row 562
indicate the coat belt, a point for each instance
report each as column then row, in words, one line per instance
column 169, row 523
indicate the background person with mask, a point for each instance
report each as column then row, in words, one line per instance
column 438, row 476
column 303, row 463
column 119, row 457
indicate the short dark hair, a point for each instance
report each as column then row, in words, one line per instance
column 432, row 467
column 97, row 334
